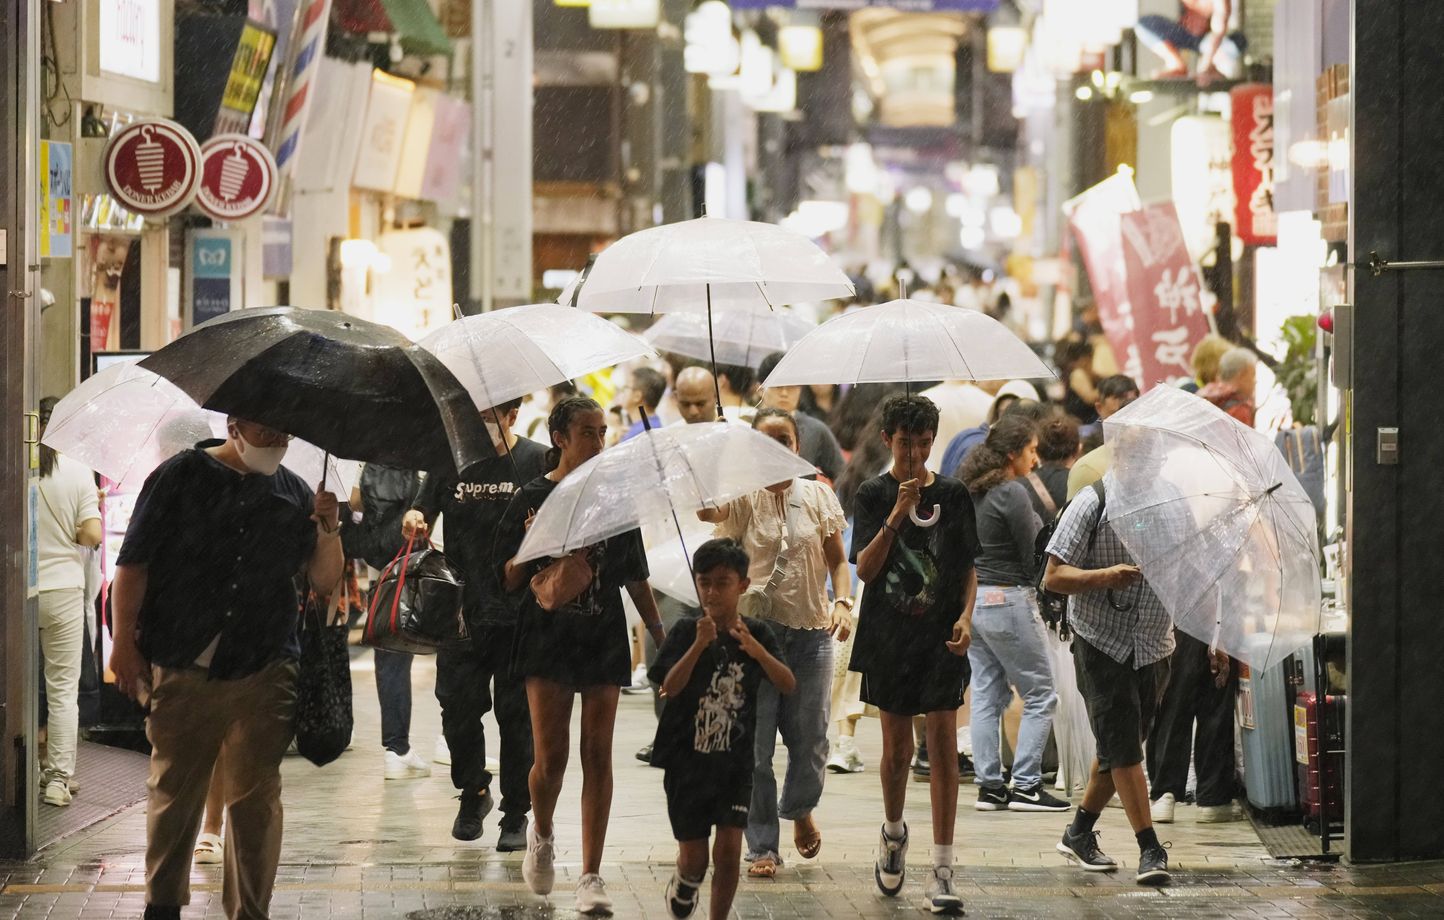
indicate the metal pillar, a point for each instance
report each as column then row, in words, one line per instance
column 20, row 302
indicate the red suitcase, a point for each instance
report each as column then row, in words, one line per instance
column 1320, row 753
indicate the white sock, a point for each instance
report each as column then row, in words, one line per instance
column 894, row 829
column 943, row 855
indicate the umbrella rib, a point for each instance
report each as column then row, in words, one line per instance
column 1231, row 467
column 1233, row 557
column 959, row 349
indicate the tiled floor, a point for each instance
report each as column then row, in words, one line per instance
column 360, row 847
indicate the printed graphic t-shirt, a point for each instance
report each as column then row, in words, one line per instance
column 909, row 610
column 710, row 724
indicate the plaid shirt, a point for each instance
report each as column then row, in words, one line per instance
column 1145, row 632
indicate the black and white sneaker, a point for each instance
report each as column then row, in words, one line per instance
column 922, row 768
column 891, row 863
column 1036, row 798
column 942, row 897
column 682, row 896
column 1153, row 867
column 1083, row 850
column 992, row 798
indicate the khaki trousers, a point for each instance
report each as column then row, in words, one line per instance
column 192, row 720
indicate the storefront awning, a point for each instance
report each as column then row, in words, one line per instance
column 412, row 20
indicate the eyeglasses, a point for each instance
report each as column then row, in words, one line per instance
column 262, row 436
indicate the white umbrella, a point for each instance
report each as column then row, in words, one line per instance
column 742, row 339
column 907, row 341
column 669, row 556
column 658, row 476
column 1212, row 514
column 125, row 421
column 710, row 264
column 505, row 354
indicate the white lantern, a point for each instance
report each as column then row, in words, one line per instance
column 625, row 14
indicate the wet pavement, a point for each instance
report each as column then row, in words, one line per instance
column 356, row 846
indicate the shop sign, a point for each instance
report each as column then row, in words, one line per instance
column 1095, row 218
column 152, row 167
column 1165, row 295
column 1253, row 163
column 57, row 215
column 415, row 296
column 130, row 38
column 416, row 144
column 243, row 86
column 383, row 132
column 449, row 131
column 214, row 283
column 238, row 177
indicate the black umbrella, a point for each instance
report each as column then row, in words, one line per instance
column 357, row 389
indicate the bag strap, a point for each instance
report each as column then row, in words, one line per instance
column 371, row 614
column 1039, row 489
column 401, row 583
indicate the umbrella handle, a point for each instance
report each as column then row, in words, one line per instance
column 929, row 521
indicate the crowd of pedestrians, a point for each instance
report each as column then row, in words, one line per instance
column 899, row 581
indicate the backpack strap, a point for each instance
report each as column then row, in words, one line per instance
column 1039, row 489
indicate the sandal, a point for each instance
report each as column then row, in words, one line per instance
column 766, row 867
column 807, row 837
column 210, row 850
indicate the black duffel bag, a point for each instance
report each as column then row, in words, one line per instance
column 416, row 606
column 324, row 718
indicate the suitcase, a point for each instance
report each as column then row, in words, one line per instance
column 1320, row 742
column 1265, row 731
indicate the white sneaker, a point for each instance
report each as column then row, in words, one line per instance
column 640, row 683
column 1216, row 814
column 409, row 766
column 210, row 850
column 592, row 897
column 1163, row 808
column 845, row 757
column 942, row 899
column 965, row 740
column 57, row 793
column 891, row 865
column 493, row 766
column 538, row 866
column 443, row 752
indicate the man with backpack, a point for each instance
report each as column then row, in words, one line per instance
column 1122, row 640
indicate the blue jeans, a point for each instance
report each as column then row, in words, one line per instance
column 393, row 690
column 803, row 718
column 1154, row 30
column 1010, row 650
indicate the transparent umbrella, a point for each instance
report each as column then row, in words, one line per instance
column 1212, row 514
column 508, row 353
column 657, row 477
column 742, row 338
column 907, row 341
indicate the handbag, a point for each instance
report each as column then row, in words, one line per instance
column 324, row 719
column 563, row 581
column 416, row 606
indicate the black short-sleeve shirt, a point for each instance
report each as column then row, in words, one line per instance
column 710, row 724
column 222, row 552
column 909, row 610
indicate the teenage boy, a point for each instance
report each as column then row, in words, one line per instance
column 914, row 541
column 710, row 670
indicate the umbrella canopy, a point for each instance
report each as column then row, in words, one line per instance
column 505, row 354
column 710, row 262
column 670, row 566
column 665, row 471
column 1224, row 533
column 355, row 389
column 125, row 421
column 743, row 338
column 905, row 341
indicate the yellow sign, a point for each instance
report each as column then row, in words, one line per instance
column 248, row 69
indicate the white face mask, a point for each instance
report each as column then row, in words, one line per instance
column 262, row 460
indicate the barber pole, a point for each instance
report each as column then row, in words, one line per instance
column 307, row 47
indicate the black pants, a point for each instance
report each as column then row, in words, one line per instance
column 470, row 679
column 393, row 691
column 672, row 611
column 1192, row 696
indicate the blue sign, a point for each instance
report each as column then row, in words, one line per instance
column 212, row 267
column 906, row 6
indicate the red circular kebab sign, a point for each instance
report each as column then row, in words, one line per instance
column 238, row 177
column 153, row 167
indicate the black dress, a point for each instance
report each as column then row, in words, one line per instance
column 585, row 643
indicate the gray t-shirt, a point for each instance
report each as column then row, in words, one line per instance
column 1007, row 529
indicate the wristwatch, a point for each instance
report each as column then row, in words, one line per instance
column 847, row 602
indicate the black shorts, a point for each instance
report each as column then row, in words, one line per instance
column 911, row 693
column 1121, row 701
column 699, row 800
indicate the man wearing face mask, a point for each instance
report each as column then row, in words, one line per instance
column 473, row 678
column 205, row 611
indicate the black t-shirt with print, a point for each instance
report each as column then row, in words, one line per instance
column 710, row 724
column 473, row 506
column 908, row 611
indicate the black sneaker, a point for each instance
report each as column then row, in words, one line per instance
column 162, row 912
column 965, row 766
column 1083, row 849
column 682, row 897
column 1153, row 867
column 645, row 755
column 1036, row 798
column 513, row 836
column 922, row 769
column 992, row 798
column 474, row 807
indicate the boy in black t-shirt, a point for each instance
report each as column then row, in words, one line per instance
column 709, row 670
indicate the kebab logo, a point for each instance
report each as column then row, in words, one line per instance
column 238, row 177
column 153, row 167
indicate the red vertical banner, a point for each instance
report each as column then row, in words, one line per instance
column 1165, row 294
column 1253, row 163
column 1094, row 218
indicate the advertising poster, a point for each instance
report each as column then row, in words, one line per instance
column 57, row 215
column 1253, row 163
column 214, row 286
column 1165, row 294
column 107, row 261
